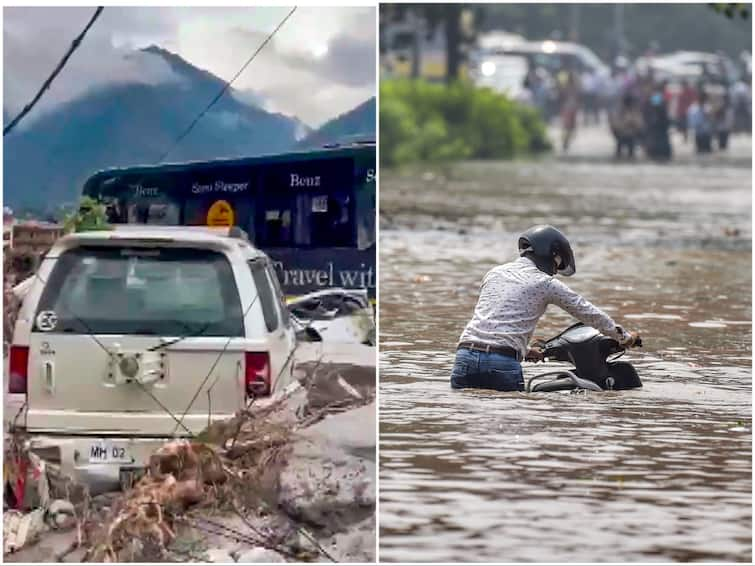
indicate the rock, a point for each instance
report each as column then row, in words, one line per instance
column 61, row 506
column 326, row 493
column 259, row 555
column 353, row 431
column 336, row 383
column 53, row 546
column 356, row 544
column 329, row 478
column 63, row 521
column 218, row 555
column 61, row 514
column 21, row 529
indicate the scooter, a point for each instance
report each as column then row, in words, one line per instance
column 594, row 356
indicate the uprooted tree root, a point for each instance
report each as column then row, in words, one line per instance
column 232, row 466
column 184, row 477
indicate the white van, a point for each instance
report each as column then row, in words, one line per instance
column 133, row 335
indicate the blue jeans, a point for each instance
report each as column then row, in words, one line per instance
column 486, row 371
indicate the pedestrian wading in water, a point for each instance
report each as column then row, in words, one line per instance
column 513, row 297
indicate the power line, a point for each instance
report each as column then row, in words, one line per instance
column 212, row 368
column 48, row 82
column 226, row 86
column 108, row 353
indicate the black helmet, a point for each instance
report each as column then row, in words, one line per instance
column 544, row 243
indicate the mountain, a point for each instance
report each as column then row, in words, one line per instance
column 47, row 161
column 356, row 123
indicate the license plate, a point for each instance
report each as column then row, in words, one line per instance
column 105, row 452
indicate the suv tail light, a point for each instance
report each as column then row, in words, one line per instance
column 19, row 369
column 257, row 374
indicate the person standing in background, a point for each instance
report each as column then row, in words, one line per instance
column 657, row 143
column 723, row 121
column 741, row 101
column 590, row 110
column 627, row 126
column 570, row 94
column 686, row 97
column 699, row 119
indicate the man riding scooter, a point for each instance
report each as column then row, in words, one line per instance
column 513, row 297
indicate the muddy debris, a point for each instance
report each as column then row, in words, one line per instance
column 335, row 492
column 290, row 478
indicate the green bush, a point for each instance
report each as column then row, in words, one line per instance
column 421, row 121
column 91, row 215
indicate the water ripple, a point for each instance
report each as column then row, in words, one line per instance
column 663, row 473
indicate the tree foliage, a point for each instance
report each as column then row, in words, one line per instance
column 91, row 215
column 425, row 122
column 449, row 18
column 732, row 10
column 693, row 27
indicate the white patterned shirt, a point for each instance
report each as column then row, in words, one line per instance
column 514, row 296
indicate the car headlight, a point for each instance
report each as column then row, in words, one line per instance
column 487, row 69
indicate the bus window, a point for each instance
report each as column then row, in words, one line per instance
column 275, row 220
column 307, row 220
column 277, row 230
column 137, row 200
column 366, row 220
column 159, row 213
column 331, row 221
column 365, row 205
column 308, row 204
column 116, row 211
column 301, row 230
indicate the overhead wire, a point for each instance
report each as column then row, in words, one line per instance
column 214, row 364
column 218, row 96
column 226, row 86
column 107, row 351
column 74, row 46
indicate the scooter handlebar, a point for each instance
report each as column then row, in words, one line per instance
column 534, row 354
column 636, row 340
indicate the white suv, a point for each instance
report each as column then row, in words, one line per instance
column 145, row 333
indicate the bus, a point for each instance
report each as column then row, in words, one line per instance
column 313, row 212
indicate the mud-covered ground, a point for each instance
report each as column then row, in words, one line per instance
column 663, row 473
column 301, row 484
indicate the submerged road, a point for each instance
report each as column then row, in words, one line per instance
column 657, row 474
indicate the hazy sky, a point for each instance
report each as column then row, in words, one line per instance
column 319, row 65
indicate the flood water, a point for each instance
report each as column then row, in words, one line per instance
column 663, row 473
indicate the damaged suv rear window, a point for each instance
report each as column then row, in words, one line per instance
column 153, row 291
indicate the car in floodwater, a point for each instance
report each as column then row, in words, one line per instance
column 714, row 68
column 505, row 74
column 133, row 335
column 554, row 56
